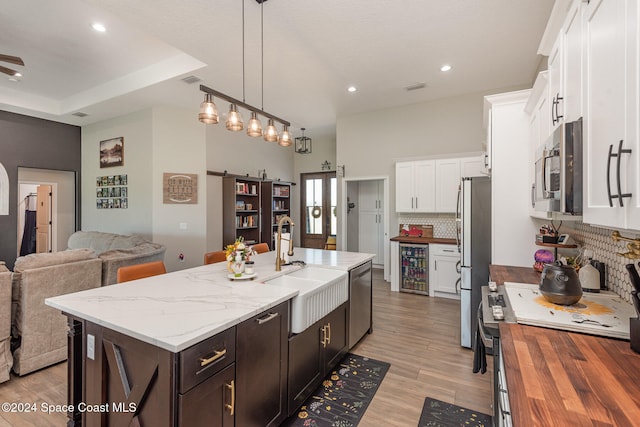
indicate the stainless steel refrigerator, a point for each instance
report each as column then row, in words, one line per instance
column 474, row 212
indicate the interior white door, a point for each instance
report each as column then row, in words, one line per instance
column 370, row 219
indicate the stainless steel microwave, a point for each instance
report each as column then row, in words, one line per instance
column 558, row 171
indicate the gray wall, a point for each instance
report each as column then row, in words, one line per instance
column 33, row 143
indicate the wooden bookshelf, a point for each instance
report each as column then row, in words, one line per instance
column 276, row 202
column 241, row 209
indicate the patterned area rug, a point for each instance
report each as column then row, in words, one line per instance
column 344, row 395
column 436, row 413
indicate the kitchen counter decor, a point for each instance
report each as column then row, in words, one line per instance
column 237, row 254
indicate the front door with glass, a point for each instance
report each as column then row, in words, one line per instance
column 319, row 197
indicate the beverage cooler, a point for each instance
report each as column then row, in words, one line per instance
column 414, row 268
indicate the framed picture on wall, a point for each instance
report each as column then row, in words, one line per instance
column 112, row 152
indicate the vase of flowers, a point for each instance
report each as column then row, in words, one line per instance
column 237, row 254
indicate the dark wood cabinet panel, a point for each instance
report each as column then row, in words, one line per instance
column 211, row 403
column 135, row 379
column 336, row 343
column 200, row 361
column 261, row 368
column 306, row 364
column 314, row 352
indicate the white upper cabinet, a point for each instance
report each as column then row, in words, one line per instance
column 573, row 62
column 565, row 67
column 611, row 149
column 415, row 186
column 447, row 183
column 432, row 185
column 555, row 87
column 474, row 166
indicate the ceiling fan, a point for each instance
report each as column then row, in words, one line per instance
column 13, row 60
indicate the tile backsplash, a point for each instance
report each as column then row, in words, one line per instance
column 605, row 249
column 597, row 239
column 444, row 225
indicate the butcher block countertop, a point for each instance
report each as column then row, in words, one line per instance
column 423, row 240
column 558, row 378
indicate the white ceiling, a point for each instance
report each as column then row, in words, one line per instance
column 313, row 50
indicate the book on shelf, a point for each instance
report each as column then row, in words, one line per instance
column 246, row 188
column 281, row 191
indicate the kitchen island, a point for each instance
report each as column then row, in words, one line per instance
column 559, row 378
column 153, row 348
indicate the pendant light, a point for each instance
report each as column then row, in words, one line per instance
column 254, row 127
column 285, row 137
column 234, row 122
column 270, row 132
column 208, row 111
column 234, row 119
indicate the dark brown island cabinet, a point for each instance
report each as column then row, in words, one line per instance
column 314, row 352
column 235, row 378
column 253, row 374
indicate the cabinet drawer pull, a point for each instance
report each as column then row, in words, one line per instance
column 217, row 355
column 324, row 336
column 231, row 407
column 329, row 334
column 267, row 318
column 620, row 196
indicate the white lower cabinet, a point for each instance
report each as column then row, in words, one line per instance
column 444, row 275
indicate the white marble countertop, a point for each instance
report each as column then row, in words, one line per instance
column 176, row 310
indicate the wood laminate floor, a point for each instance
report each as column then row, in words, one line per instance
column 419, row 336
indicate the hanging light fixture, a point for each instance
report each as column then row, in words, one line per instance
column 234, row 119
column 270, row 132
column 254, row 127
column 285, row 137
column 303, row 144
column 208, row 111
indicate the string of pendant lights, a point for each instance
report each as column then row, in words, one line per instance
column 209, row 112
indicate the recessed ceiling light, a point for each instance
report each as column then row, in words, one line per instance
column 17, row 74
column 99, row 27
column 352, row 89
column 445, row 67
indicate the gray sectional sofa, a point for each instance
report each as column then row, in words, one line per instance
column 116, row 250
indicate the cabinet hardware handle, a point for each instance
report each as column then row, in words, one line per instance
column 217, row 355
column 324, row 336
column 620, row 196
column 447, row 250
column 267, row 318
column 458, row 285
column 412, row 203
column 329, row 329
column 533, row 195
column 556, row 102
column 553, row 117
column 231, row 407
column 609, row 175
column 435, row 264
column 416, row 203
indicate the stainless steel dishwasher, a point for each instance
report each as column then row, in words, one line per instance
column 360, row 303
